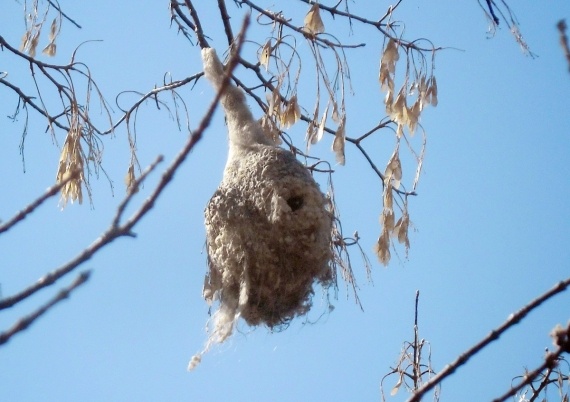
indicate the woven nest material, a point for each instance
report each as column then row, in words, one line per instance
column 268, row 239
column 268, row 229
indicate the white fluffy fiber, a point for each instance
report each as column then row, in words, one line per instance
column 268, row 229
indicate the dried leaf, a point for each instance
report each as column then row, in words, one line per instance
column 422, row 92
column 400, row 130
column 401, row 230
column 313, row 22
column 33, row 44
column 387, row 68
column 388, row 101
column 291, row 114
column 312, row 128
column 71, row 162
column 270, row 129
column 398, row 109
column 131, row 181
column 320, row 131
column 53, row 30
column 265, row 54
column 382, row 248
column 386, row 80
column 336, row 116
column 393, row 171
column 387, row 220
column 397, row 386
column 432, row 91
column 311, row 134
column 390, row 56
column 339, row 141
column 413, row 115
column 50, row 49
column 274, row 102
column 25, row 41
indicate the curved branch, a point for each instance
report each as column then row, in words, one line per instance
column 152, row 93
column 50, row 192
column 493, row 336
column 26, row 321
column 550, row 362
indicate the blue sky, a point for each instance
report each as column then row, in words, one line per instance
column 491, row 223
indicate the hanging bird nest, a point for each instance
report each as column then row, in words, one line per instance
column 268, row 228
column 268, row 239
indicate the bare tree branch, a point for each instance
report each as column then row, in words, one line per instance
column 562, row 340
column 112, row 233
column 50, row 192
column 150, row 94
column 492, row 12
column 335, row 11
column 226, row 20
column 198, row 25
column 412, row 365
column 283, row 21
column 54, row 5
column 26, row 321
column 564, row 40
column 493, row 336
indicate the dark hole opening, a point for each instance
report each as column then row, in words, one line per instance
column 295, row 203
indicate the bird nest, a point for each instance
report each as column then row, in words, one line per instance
column 268, row 228
column 268, row 240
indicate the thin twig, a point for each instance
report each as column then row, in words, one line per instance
column 226, row 20
column 123, row 205
column 50, row 192
column 493, row 336
column 492, row 12
column 26, row 321
column 564, row 40
column 29, row 100
column 150, row 94
column 111, row 234
column 545, row 381
column 335, row 11
column 277, row 18
column 550, row 362
column 417, row 347
column 174, row 5
column 198, row 26
column 63, row 14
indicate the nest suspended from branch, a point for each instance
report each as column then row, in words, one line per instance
column 268, row 229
